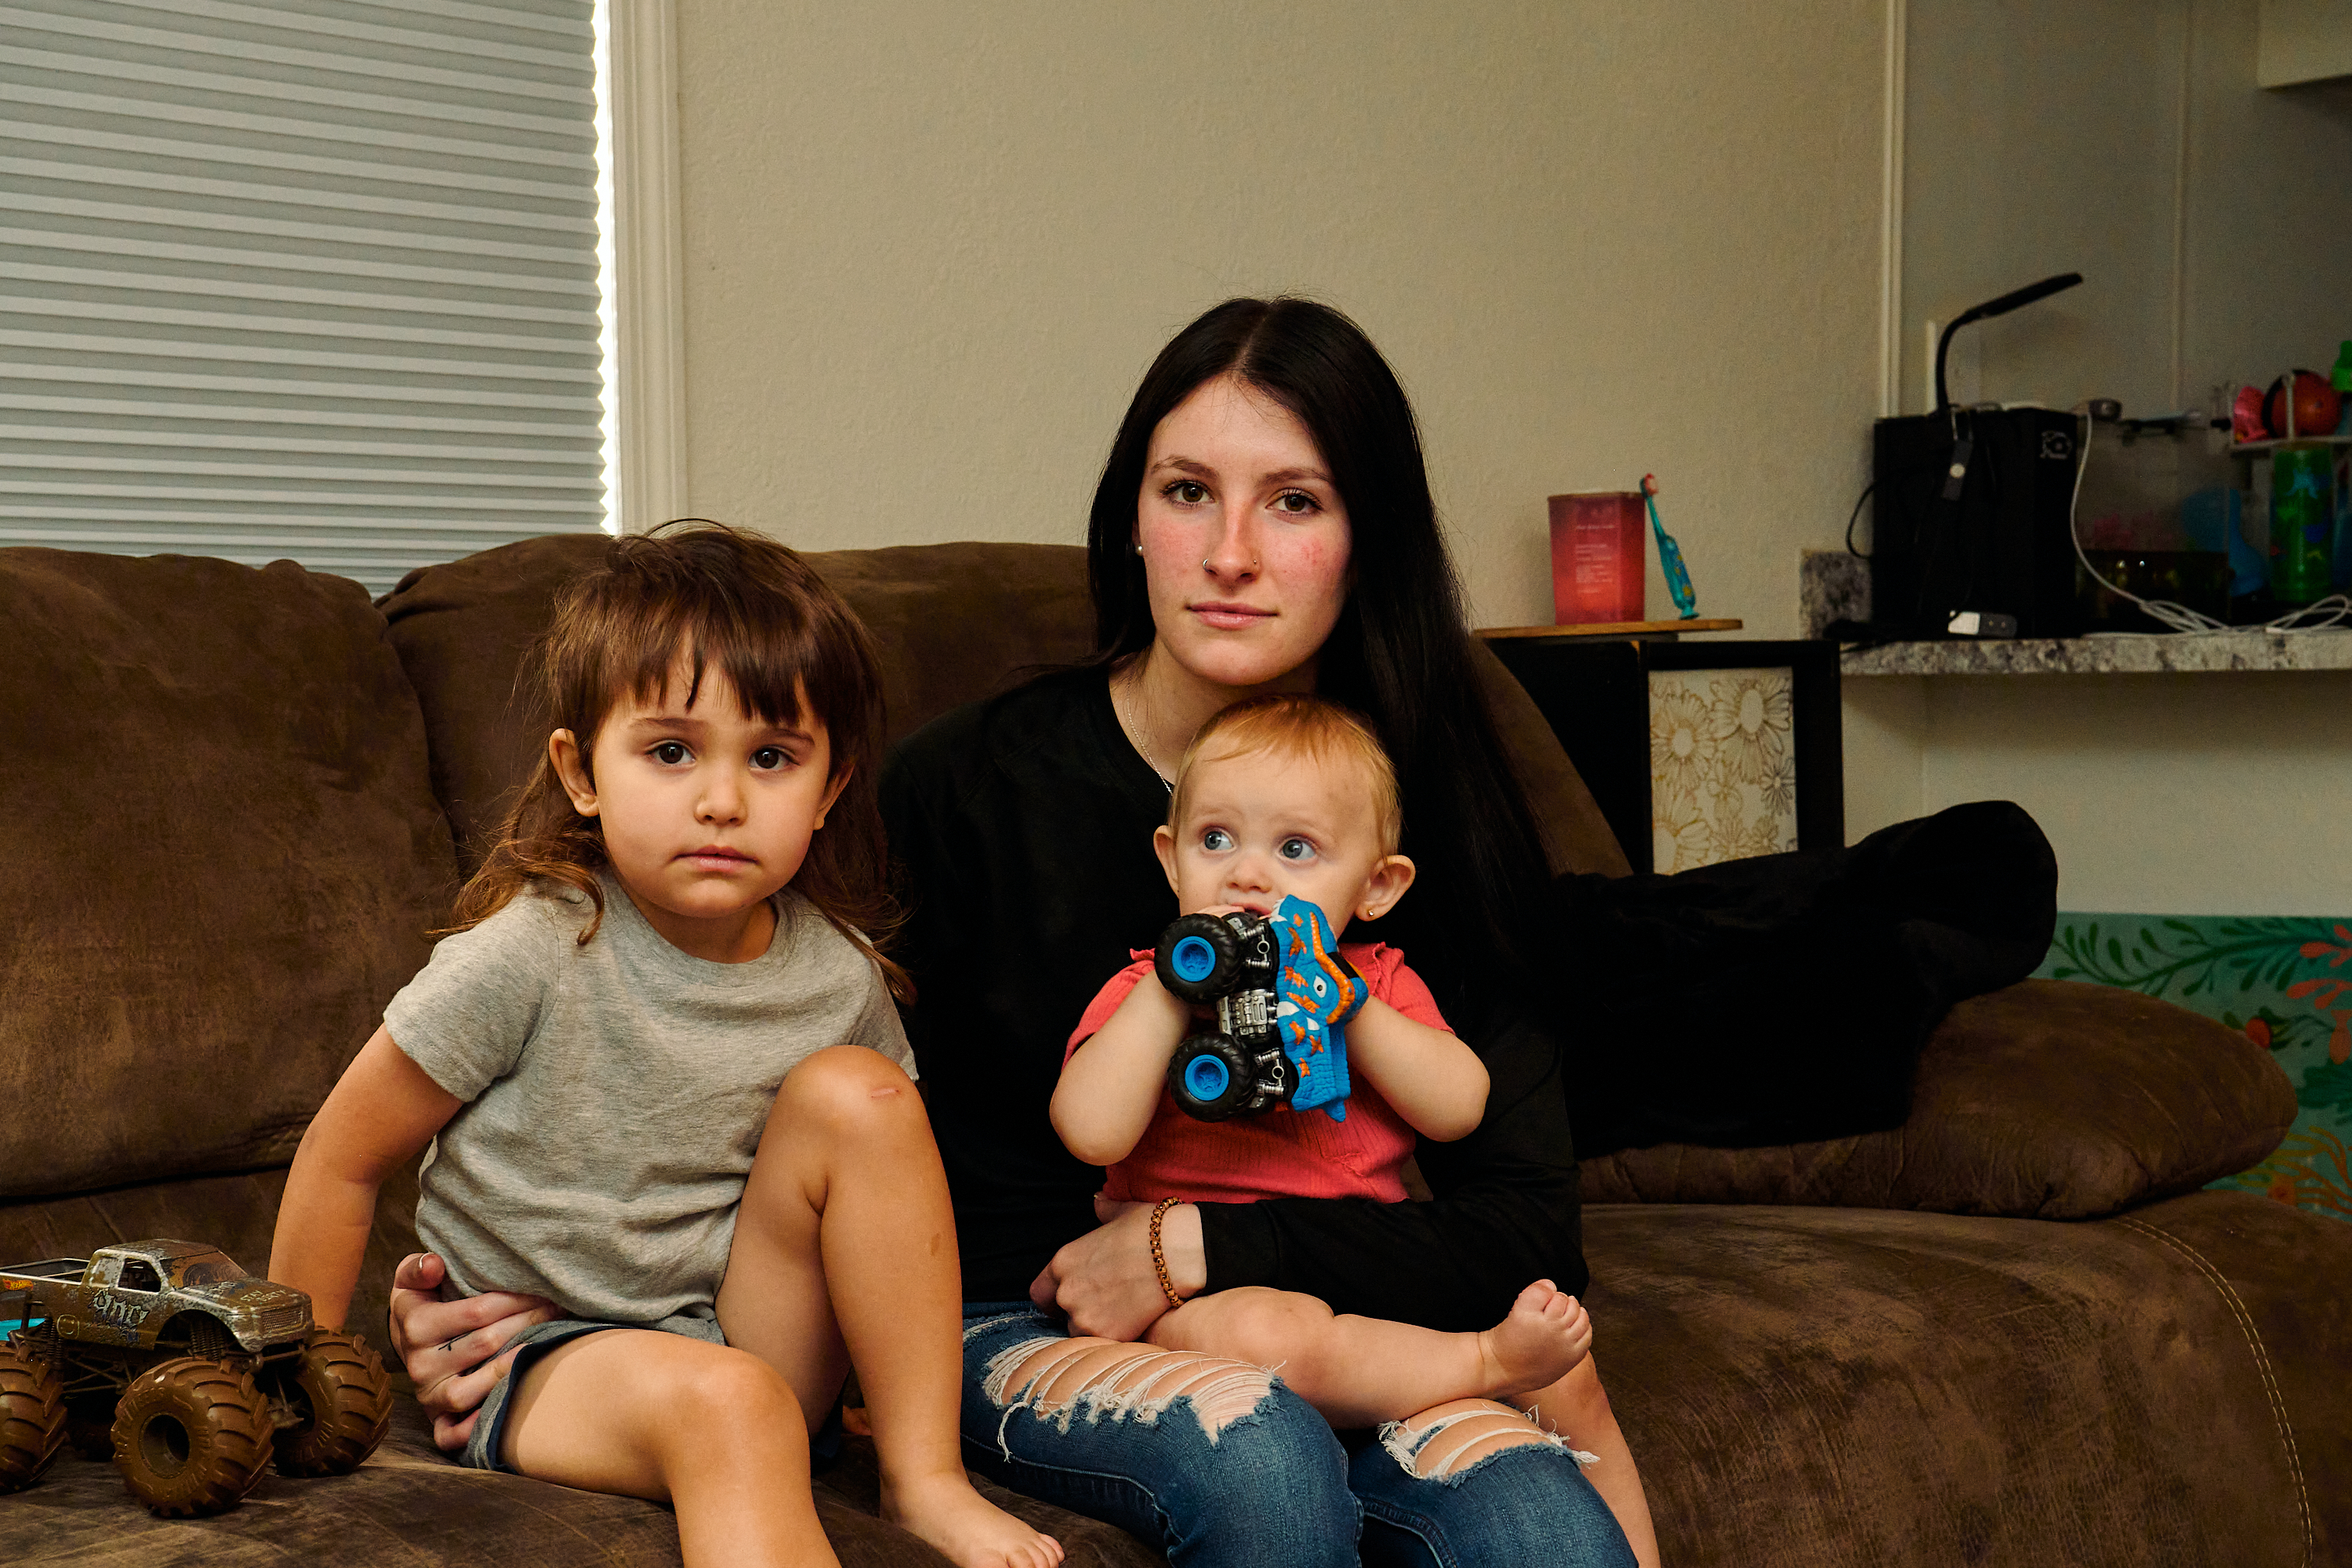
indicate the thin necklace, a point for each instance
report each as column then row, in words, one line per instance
column 1133, row 729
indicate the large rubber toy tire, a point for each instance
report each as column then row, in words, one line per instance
column 339, row 1388
column 1201, row 1056
column 1177, row 960
column 191, row 1436
column 32, row 1416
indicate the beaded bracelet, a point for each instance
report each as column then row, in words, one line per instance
column 1159, row 1257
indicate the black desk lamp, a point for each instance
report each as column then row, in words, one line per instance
column 1986, row 312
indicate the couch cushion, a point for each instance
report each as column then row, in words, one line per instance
column 1845, row 1388
column 220, row 853
column 1577, row 837
column 2049, row 1099
column 2285, row 1273
column 461, row 631
column 408, row 1506
column 954, row 622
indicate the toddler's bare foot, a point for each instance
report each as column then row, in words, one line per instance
column 1539, row 1343
column 970, row 1530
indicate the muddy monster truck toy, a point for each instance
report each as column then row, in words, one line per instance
column 1281, row 992
column 168, row 1356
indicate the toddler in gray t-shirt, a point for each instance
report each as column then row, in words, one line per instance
column 529, row 1188
column 666, row 1087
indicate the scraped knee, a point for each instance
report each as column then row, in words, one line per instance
column 846, row 1091
column 1068, row 1379
column 1444, row 1444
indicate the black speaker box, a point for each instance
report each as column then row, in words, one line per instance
column 1972, row 512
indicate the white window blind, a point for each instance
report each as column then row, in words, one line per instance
column 307, row 279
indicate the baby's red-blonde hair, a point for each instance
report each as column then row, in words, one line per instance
column 1296, row 726
column 686, row 599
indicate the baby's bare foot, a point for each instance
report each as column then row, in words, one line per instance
column 970, row 1530
column 1539, row 1343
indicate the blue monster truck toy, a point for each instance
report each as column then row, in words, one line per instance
column 1281, row 991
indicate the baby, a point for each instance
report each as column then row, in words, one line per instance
column 1294, row 797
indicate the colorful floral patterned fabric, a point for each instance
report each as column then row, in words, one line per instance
column 2285, row 981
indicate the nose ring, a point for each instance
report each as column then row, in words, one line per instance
column 1206, row 567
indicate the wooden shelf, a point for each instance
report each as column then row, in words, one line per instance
column 1612, row 629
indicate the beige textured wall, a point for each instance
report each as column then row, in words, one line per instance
column 932, row 246
column 2270, row 211
column 2044, row 139
column 2039, row 139
column 2163, row 794
column 2190, row 795
column 931, row 249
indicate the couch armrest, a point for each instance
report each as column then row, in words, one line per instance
column 2048, row 1099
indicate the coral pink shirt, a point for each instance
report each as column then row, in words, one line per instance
column 1283, row 1153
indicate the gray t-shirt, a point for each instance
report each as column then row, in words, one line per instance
column 615, row 1094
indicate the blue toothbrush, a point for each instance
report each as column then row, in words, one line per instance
column 1670, row 555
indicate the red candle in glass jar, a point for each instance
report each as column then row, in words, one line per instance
column 1599, row 558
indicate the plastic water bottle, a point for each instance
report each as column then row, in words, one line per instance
column 2303, row 523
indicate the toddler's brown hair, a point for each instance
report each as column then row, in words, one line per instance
column 684, row 599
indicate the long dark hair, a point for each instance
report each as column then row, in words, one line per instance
column 1400, row 652
column 687, row 598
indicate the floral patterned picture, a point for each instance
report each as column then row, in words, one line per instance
column 2286, row 983
column 1723, row 775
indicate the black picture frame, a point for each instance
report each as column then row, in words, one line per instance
column 1594, row 692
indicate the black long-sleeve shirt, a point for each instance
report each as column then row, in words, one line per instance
column 1025, row 825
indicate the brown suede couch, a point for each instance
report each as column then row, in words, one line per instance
column 2012, row 1332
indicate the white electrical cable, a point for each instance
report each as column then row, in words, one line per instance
column 2180, row 620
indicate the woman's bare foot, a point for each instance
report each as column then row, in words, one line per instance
column 1540, row 1341
column 970, row 1530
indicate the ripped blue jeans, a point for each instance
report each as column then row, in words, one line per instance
column 1224, row 1467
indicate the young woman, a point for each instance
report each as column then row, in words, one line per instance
column 1263, row 523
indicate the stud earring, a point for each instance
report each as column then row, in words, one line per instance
column 1138, row 548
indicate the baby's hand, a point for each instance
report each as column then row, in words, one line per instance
column 1325, row 984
